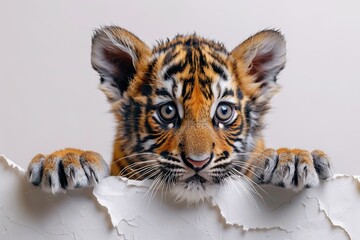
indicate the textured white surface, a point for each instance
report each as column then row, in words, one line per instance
column 331, row 211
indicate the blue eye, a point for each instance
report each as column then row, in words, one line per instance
column 168, row 112
column 224, row 112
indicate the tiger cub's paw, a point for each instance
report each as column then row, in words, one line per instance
column 294, row 169
column 66, row 169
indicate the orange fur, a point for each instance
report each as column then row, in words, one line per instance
column 199, row 80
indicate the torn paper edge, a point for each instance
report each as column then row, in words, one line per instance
column 243, row 227
column 129, row 183
column 212, row 203
column 335, row 223
column 12, row 164
column 322, row 207
column 336, row 176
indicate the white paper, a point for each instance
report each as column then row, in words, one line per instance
column 130, row 211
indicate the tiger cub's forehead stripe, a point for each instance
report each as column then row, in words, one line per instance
column 195, row 65
column 188, row 40
column 174, row 69
column 187, row 70
column 219, row 70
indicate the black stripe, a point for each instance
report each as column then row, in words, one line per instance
column 83, row 165
column 164, row 154
column 160, row 142
column 150, row 137
column 219, row 159
column 247, row 111
column 166, row 166
column 146, row 90
column 276, row 164
column 240, row 95
column 219, row 70
column 126, row 112
column 50, row 181
column 137, row 111
column 167, row 155
column 228, row 92
column 151, row 133
column 149, row 74
column 202, row 62
column 206, row 88
column 236, row 131
column 176, row 68
column 192, row 42
column 62, row 176
column 166, row 48
column 225, row 155
column 295, row 179
column 174, row 87
column 221, row 166
column 232, row 145
column 217, row 57
column 94, row 175
column 189, row 58
column 162, row 92
column 169, row 57
column 188, row 87
column 136, row 116
column 173, row 159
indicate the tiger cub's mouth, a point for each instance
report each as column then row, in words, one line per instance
column 196, row 180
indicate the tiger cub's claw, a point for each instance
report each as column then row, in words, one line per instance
column 66, row 169
column 291, row 168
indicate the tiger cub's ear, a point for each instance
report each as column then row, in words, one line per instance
column 260, row 58
column 116, row 55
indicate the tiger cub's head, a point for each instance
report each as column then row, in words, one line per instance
column 188, row 111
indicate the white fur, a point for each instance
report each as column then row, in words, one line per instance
column 107, row 68
column 238, row 145
column 308, row 177
column 168, row 85
column 216, row 92
column 193, row 193
column 109, row 90
column 124, row 45
column 177, row 102
column 55, row 186
column 147, row 145
column 35, row 169
column 275, row 45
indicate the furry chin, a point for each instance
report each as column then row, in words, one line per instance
column 193, row 193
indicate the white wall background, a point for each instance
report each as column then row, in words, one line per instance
column 48, row 91
column 49, row 100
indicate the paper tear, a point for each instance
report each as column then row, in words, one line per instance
column 355, row 177
column 11, row 163
column 335, row 223
column 330, row 211
column 346, row 214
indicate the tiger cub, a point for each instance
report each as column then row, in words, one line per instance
column 189, row 115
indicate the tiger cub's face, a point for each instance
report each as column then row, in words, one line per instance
column 188, row 110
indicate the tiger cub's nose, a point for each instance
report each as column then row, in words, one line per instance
column 198, row 162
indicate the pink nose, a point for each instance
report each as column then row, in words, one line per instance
column 198, row 163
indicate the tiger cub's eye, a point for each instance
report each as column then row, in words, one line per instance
column 224, row 112
column 168, row 112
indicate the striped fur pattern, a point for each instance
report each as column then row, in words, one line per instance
column 190, row 113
